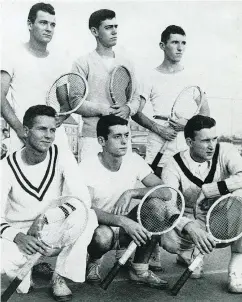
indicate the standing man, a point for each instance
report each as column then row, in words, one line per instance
column 96, row 67
column 167, row 81
column 205, row 171
column 27, row 72
column 111, row 176
column 34, row 178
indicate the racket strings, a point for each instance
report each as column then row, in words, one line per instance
column 187, row 103
column 225, row 221
column 121, row 86
column 157, row 215
column 67, row 92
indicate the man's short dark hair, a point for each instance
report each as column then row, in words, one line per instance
column 197, row 123
column 38, row 110
column 44, row 7
column 171, row 29
column 100, row 15
column 107, row 121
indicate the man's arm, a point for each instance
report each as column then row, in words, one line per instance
column 137, row 232
column 6, row 110
column 231, row 161
column 27, row 243
column 201, row 238
column 88, row 108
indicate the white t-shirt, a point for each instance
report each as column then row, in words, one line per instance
column 32, row 77
column 161, row 90
column 108, row 186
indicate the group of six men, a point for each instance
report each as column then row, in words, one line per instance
column 40, row 167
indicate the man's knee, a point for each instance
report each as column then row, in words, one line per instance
column 103, row 237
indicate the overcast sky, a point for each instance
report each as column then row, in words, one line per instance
column 213, row 31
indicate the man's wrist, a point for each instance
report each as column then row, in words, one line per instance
column 188, row 227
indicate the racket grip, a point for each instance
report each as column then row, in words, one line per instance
column 17, row 281
column 182, row 280
column 185, row 276
column 110, row 276
column 114, row 271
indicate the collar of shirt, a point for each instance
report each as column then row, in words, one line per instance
column 198, row 169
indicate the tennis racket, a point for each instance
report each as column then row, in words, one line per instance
column 67, row 93
column 187, row 104
column 156, row 215
column 121, row 85
column 224, row 224
column 56, row 230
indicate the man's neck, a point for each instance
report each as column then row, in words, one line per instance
column 32, row 157
column 168, row 66
column 109, row 161
column 37, row 49
column 105, row 51
column 196, row 158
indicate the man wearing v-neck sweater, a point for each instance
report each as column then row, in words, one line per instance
column 204, row 172
column 96, row 67
column 34, row 179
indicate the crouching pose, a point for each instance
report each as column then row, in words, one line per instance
column 34, row 178
column 111, row 176
column 204, row 172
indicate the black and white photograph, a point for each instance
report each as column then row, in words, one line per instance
column 121, row 150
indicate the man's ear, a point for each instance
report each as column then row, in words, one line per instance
column 26, row 131
column 94, row 31
column 101, row 141
column 29, row 24
column 162, row 45
column 189, row 142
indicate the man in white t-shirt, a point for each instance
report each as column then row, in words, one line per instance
column 27, row 72
column 34, row 179
column 166, row 82
column 97, row 67
column 111, row 176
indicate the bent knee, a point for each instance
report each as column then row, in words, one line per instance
column 103, row 236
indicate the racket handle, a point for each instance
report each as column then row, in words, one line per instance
column 110, row 276
column 182, row 280
column 186, row 275
column 114, row 271
column 17, row 281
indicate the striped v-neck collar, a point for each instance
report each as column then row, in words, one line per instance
column 25, row 183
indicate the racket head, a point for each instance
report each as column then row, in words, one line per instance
column 224, row 219
column 121, row 85
column 159, row 215
column 67, row 93
column 188, row 103
column 55, row 227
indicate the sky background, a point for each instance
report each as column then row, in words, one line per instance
column 213, row 30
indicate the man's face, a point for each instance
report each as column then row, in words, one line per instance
column 42, row 134
column 42, row 30
column 202, row 147
column 174, row 47
column 107, row 32
column 117, row 142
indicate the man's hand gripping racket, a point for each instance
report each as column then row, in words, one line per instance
column 157, row 215
column 187, row 104
column 55, row 230
column 224, row 224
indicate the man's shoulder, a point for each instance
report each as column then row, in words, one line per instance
column 88, row 163
column 84, row 58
